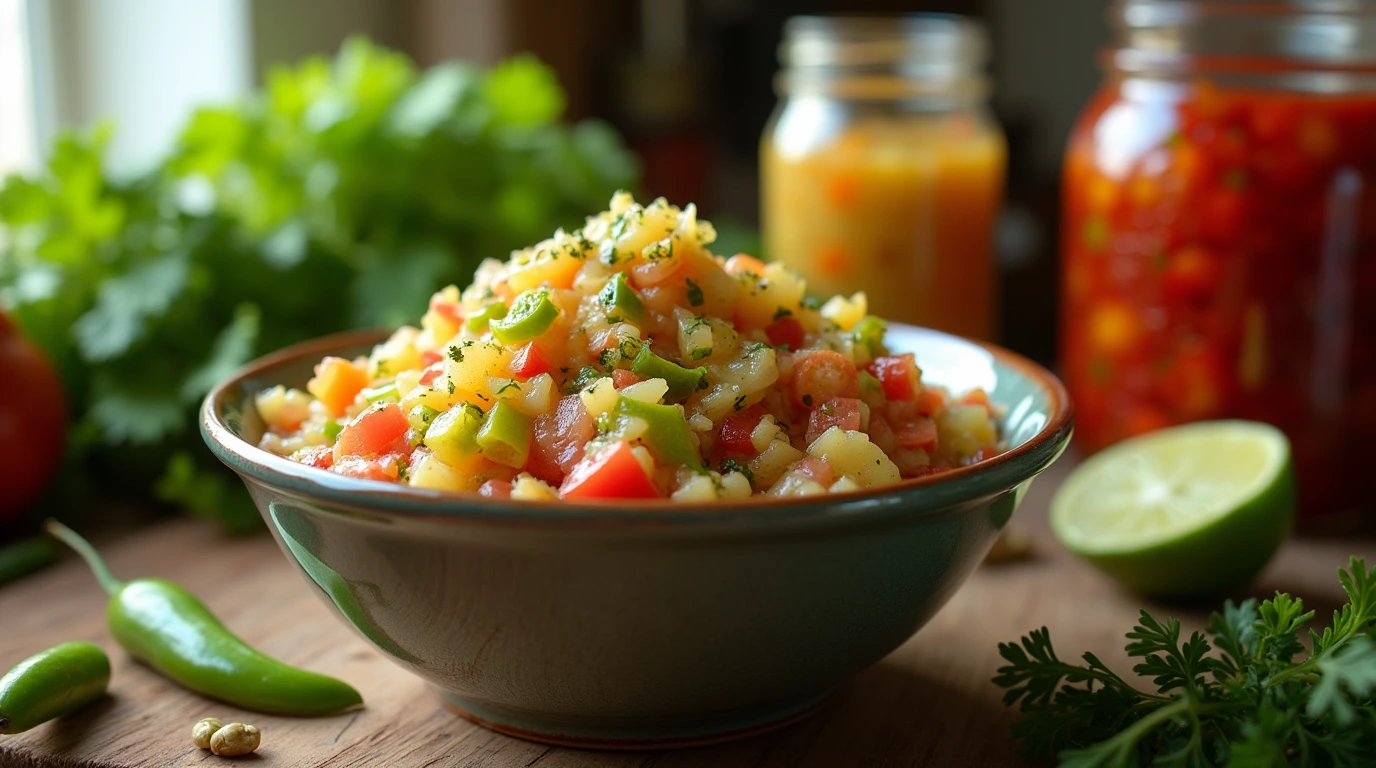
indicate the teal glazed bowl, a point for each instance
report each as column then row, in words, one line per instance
column 627, row 625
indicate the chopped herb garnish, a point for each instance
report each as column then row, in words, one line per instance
column 694, row 292
column 731, row 465
column 455, row 354
column 702, row 352
column 781, row 313
column 810, row 302
column 739, row 404
column 509, row 385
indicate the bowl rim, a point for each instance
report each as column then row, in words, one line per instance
column 954, row 486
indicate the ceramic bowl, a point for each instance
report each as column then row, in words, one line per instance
column 633, row 625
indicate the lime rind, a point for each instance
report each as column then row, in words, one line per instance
column 1169, row 485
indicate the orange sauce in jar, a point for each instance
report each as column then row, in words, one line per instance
column 904, row 211
column 882, row 170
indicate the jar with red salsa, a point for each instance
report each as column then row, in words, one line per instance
column 1220, row 232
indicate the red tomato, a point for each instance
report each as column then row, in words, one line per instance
column 622, row 378
column 614, row 473
column 786, row 331
column 816, row 469
column 898, row 374
column 736, row 429
column 530, row 361
column 429, row 357
column 376, row 432
column 321, row 457
column 560, row 438
column 385, row 468
column 446, row 309
column 919, row 434
column 431, row 372
column 495, row 489
column 843, row 412
column 820, row 375
column 33, row 421
column 929, row 401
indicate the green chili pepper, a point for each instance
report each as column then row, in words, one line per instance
column 682, row 381
column 668, row 438
column 385, row 393
column 621, row 301
column 332, row 429
column 166, row 627
column 869, row 333
column 51, row 684
column 479, row 321
column 420, row 417
column 454, row 433
column 22, row 558
column 531, row 315
column 505, row 436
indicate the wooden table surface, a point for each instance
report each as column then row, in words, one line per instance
column 930, row 703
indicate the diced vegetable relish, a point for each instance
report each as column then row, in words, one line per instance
column 625, row 360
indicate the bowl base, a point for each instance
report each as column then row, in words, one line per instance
column 636, row 737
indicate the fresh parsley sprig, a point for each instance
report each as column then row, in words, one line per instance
column 1232, row 696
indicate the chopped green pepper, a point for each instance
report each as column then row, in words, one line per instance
column 682, row 381
column 621, row 301
column 869, row 333
column 505, row 436
column 386, row 393
column 479, row 320
column 668, row 438
column 453, row 434
column 332, row 429
column 531, row 315
column 420, row 417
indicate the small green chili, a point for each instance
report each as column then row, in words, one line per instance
column 682, row 381
column 531, row 315
column 166, row 627
column 51, row 684
column 621, row 301
column 480, row 320
column 505, row 436
column 669, row 439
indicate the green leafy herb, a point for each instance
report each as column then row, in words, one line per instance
column 695, row 297
column 1232, row 696
column 731, row 465
column 342, row 195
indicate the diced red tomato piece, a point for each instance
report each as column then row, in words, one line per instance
column 623, row 377
column 919, row 434
column 446, row 309
column 843, row 412
column 530, row 361
column 736, row 429
column 431, row 372
column 816, row 469
column 613, row 473
column 376, row 432
column 560, row 438
column 495, row 489
column 786, row 331
column 321, row 456
column 385, row 468
column 429, row 357
column 820, row 375
column 977, row 397
column 930, row 400
column 898, row 374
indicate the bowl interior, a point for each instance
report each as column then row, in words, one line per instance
column 1036, row 425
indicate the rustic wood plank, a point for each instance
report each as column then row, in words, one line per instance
column 930, row 703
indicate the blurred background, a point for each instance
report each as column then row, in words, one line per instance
column 688, row 83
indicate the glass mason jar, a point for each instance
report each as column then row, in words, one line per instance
column 882, row 169
column 1220, row 231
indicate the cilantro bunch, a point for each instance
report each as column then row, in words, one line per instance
column 341, row 196
column 1251, row 704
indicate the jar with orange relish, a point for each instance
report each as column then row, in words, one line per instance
column 1220, row 232
column 883, row 171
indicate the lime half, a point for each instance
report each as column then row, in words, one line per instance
column 1190, row 510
